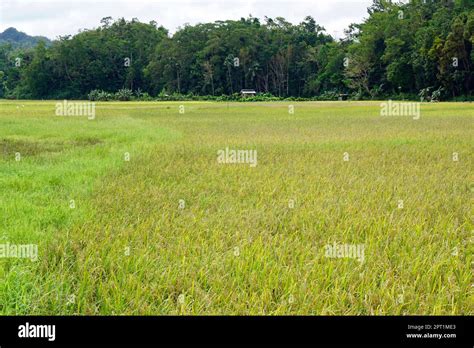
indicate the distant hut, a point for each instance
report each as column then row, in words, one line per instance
column 248, row 93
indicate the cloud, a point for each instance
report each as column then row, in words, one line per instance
column 52, row 18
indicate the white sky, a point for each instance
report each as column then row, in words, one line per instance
column 52, row 18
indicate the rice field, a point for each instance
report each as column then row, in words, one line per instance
column 286, row 208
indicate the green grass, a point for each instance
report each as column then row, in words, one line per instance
column 237, row 247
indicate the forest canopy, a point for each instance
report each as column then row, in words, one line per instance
column 400, row 50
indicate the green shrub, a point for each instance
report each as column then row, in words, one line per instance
column 124, row 94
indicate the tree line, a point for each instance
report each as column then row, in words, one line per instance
column 420, row 49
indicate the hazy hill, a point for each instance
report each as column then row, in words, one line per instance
column 20, row 39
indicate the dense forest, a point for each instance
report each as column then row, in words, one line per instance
column 419, row 49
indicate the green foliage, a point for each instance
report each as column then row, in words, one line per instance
column 124, row 94
column 100, row 95
column 397, row 51
column 94, row 95
column 405, row 48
